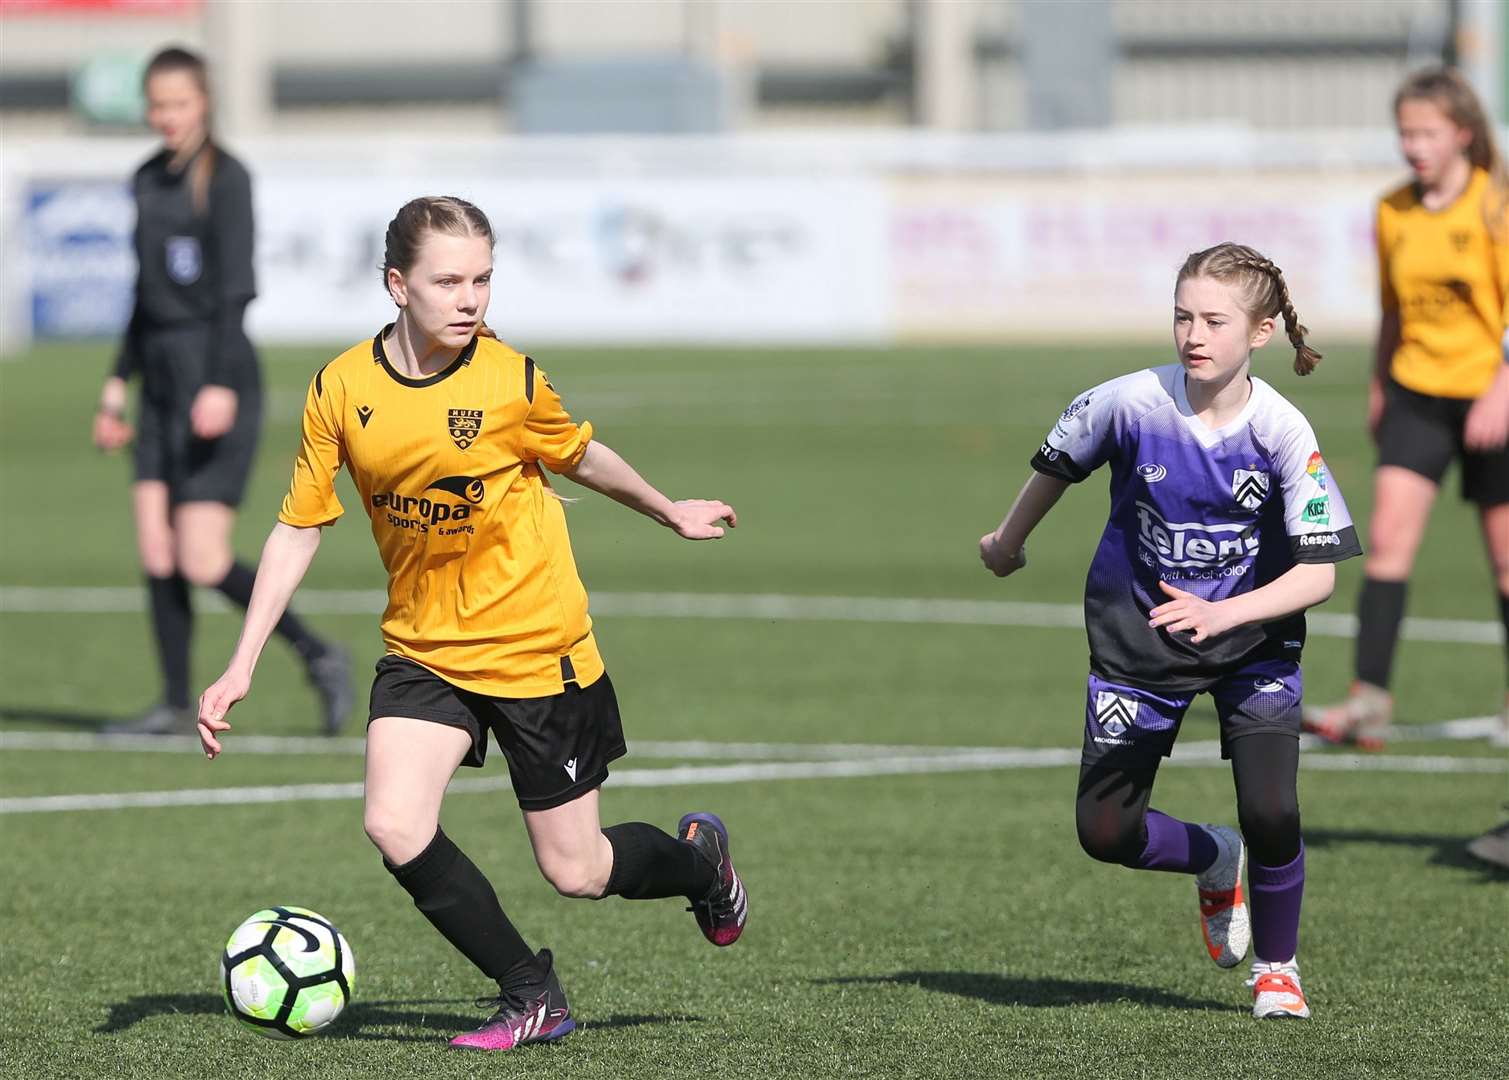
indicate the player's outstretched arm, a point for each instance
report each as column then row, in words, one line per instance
column 285, row 560
column 1003, row 551
column 1302, row 586
column 602, row 470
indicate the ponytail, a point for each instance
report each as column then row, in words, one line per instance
column 202, row 171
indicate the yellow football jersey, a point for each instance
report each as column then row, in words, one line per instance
column 1448, row 277
column 482, row 586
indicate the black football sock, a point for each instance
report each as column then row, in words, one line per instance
column 1504, row 617
column 649, row 864
column 172, row 623
column 453, row 894
column 237, row 587
column 1380, row 609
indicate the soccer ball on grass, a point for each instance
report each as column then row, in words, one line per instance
column 287, row 972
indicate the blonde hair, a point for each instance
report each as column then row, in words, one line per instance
column 1264, row 291
column 427, row 214
column 1449, row 90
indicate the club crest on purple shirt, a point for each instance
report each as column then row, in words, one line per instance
column 1249, row 487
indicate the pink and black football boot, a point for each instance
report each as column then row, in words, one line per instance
column 722, row 912
column 531, row 1007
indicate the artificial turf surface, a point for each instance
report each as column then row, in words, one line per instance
column 923, row 925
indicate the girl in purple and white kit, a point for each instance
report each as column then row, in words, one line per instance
column 1224, row 527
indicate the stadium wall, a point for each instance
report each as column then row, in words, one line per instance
column 824, row 239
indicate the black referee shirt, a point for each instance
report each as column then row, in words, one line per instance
column 194, row 263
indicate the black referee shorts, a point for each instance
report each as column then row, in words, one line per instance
column 1424, row 434
column 558, row 747
column 195, row 469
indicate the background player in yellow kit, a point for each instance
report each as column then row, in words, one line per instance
column 447, row 432
column 1441, row 388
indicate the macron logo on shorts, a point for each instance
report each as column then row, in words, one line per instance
column 570, row 768
column 1115, row 712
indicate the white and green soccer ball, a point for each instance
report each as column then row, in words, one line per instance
column 287, row 972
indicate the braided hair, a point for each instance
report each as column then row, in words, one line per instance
column 1263, row 286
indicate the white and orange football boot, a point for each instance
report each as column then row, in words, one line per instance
column 1276, row 993
column 1224, row 918
column 1362, row 719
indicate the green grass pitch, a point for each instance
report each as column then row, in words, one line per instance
column 902, row 926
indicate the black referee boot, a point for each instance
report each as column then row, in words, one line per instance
column 161, row 719
column 330, row 675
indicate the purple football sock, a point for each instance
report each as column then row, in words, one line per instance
column 1275, row 895
column 1176, row 846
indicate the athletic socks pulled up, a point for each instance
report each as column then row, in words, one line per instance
column 1504, row 618
column 649, row 864
column 172, row 625
column 1380, row 609
column 1274, row 895
column 237, row 587
column 1176, row 846
column 453, row 894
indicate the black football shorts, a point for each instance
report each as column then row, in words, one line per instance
column 195, row 469
column 558, row 747
column 1424, row 434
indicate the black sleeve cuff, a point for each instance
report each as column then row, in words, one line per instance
column 1051, row 462
column 231, row 356
column 1325, row 547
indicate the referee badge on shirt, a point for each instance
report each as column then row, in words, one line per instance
column 465, row 425
column 185, row 260
column 1249, row 487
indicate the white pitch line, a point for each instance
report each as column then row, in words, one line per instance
column 303, row 745
column 1467, row 728
column 1202, row 754
column 769, row 607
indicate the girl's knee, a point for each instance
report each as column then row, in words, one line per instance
column 396, row 835
column 1272, row 831
column 573, row 877
column 1114, row 840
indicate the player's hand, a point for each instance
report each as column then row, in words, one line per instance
column 1186, row 611
column 997, row 559
column 111, row 431
column 1487, row 427
column 214, row 703
column 213, row 412
column 1375, row 405
column 697, row 519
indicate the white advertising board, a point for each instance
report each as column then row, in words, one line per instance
column 717, row 259
column 1081, row 256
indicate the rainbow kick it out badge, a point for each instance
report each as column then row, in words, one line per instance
column 1316, row 467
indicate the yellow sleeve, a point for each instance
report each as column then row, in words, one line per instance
column 1382, row 236
column 1498, row 240
column 550, row 435
column 311, row 498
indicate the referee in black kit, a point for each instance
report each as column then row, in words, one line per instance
column 201, row 399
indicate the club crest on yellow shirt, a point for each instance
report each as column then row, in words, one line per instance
column 465, row 426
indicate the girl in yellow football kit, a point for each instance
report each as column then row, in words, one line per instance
column 1440, row 391
column 447, row 433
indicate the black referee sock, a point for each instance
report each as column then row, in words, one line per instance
column 1380, row 609
column 237, row 586
column 453, row 894
column 649, row 864
column 172, row 623
column 1504, row 617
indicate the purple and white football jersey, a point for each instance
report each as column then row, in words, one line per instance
column 1214, row 512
